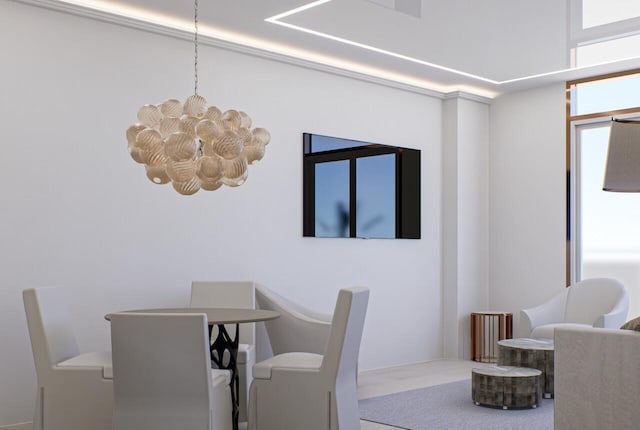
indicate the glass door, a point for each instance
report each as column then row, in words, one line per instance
column 606, row 224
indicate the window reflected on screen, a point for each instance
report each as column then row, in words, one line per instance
column 332, row 199
column 376, row 196
column 360, row 189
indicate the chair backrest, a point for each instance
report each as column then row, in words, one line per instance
column 161, row 371
column 589, row 299
column 341, row 355
column 226, row 294
column 50, row 329
column 297, row 329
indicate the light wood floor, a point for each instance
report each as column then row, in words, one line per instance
column 374, row 383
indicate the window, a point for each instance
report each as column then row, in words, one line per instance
column 602, row 32
column 598, row 12
column 606, row 95
column 604, row 235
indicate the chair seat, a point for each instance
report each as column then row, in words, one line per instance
column 546, row 330
column 220, row 375
column 290, row 360
column 245, row 353
column 92, row 359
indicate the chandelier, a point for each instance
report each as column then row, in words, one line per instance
column 192, row 145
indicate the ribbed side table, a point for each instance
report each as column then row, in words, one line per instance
column 506, row 387
column 486, row 329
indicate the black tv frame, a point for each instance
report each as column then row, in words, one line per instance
column 407, row 184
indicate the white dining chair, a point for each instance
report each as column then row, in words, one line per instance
column 232, row 294
column 298, row 329
column 312, row 391
column 162, row 376
column 75, row 390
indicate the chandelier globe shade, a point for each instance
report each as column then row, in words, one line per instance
column 193, row 145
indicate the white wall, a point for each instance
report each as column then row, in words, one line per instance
column 527, row 199
column 465, row 220
column 78, row 213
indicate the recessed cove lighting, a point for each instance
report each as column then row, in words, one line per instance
column 148, row 20
column 298, row 10
column 277, row 19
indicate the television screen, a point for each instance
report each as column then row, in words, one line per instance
column 360, row 189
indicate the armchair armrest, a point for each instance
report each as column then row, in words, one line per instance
column 267, row 298
column 551, row 311
column 94, row 360
column 617, row 316
column 294, row 361
column 596, row 378
column 297, row 329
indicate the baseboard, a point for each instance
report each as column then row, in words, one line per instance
column 20, row 426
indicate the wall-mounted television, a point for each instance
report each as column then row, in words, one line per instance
column 360, row 189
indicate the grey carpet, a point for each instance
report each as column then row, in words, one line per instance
column 449, row 407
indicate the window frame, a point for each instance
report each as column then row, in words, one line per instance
column 573, row 124
column 579, row 36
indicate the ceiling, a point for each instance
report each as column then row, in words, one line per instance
column 483, row 47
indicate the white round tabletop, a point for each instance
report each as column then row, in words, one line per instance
column 491, row 313
column 214, row 315
column 527, row 343
column 506, row 371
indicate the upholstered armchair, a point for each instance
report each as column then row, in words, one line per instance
column 75, row 390
column 163, row 378
column 298, row 390
column 232, row 294
column 298, row 329
column 597, row 302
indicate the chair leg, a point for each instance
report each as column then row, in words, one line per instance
column 39, row 410
column 222, row 417
column 251, row 408
column 246, row 376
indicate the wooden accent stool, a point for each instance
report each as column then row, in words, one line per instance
column 486, row 329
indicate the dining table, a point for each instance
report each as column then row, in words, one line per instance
column 223, row 341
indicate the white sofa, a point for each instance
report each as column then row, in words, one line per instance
column 597, row 379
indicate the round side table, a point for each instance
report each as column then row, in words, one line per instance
column 534, row 353
column 506, row 387
column 486, row 329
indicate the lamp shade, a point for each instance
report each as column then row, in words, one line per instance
column 622, row 172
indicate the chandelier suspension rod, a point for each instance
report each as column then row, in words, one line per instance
column 195, row 43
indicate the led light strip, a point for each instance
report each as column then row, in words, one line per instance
column 277, row 19
column 121, row 14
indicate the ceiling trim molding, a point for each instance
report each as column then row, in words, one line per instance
column 137, row 24
column 467, row 96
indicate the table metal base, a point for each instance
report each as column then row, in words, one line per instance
column 224, row 355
